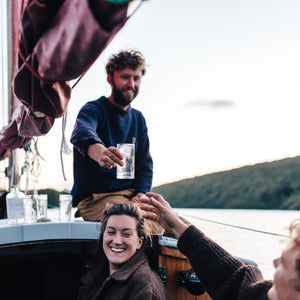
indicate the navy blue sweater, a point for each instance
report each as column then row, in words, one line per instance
column 100, row 121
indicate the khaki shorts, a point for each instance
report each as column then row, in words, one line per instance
column 92, row 208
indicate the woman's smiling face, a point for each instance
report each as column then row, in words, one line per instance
column 120, row 240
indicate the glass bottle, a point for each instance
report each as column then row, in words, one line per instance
column 14, row 206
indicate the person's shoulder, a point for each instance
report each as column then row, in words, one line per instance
column 149, row 281
column 138, row 114
column 98, row 103
column 146, row 274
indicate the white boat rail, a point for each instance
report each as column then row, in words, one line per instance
column 24, row 233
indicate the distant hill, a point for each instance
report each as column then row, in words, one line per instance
column 270, row 185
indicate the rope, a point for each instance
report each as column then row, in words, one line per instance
column 138, row 6
column 64, row 148
column 235, row 226
column 31, row 165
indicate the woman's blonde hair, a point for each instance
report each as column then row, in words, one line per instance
column 295, row 242
column 295, row 232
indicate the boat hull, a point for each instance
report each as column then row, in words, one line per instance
column 173, row 262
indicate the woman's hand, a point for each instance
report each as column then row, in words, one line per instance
column 163, row 213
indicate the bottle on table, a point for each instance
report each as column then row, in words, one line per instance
column 14, row 205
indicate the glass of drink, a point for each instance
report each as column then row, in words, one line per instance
column 29, row 209
column 65, row 208
column 41, row 202
column 127, row 170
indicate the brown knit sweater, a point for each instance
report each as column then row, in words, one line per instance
column 224, row 277
column 135, row 280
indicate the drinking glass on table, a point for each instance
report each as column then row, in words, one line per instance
column 65, row 208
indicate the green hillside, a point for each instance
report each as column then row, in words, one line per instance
column 270, row 185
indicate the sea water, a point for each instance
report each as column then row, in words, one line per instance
column 248, row 243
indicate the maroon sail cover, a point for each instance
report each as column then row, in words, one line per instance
column 58, row 41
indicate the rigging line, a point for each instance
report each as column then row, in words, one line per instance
column 62, row 166
column 64, row 148
column 78, row 80
column 235, row 226
column 62, row 161
column 138, row 6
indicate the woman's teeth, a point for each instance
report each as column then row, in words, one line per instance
column 117, row 250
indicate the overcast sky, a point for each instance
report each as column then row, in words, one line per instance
column 221, row 88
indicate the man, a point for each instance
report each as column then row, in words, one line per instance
column 223, row 276
column 100, row 126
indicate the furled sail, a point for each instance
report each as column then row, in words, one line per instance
column 58, row 42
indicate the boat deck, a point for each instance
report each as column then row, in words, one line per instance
column 46, row 260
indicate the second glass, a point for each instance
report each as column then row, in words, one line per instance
column 65, row 208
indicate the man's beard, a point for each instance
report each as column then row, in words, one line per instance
column 120, row 98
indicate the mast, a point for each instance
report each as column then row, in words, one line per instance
column 13, row 15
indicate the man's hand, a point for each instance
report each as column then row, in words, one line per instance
column 138, row 197
column 105, row 157
column 163, row 214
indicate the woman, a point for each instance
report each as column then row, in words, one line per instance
column 121, row 270
column 225, row 277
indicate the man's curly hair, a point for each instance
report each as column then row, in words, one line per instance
column 131, row 58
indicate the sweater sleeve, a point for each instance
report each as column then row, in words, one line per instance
column 223, row 276
column 85, row 130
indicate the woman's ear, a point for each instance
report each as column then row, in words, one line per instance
column 141, row 240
